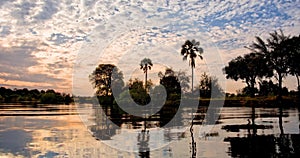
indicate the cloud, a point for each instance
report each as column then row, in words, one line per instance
column 15, row 63
column 48, row 10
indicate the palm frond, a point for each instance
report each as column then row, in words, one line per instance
column 200, row 50
column 183, row 51
column 201, row 57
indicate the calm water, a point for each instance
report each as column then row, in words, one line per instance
column 58, row 131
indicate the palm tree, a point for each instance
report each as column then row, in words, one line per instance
column 276, row 53
column 191, row 49
column 293, row 46
column 146, row 64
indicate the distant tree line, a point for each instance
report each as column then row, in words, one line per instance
column 33, row 96
column 275, row 58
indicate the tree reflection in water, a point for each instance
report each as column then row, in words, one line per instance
column 253, row 145
column 143, row 143
column 193, row 143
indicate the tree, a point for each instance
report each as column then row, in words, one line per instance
column 102, row 78
column 293, row 46
column 146, row 65
column 138, row 91
column 170, row 81
column 207, row 84
column 267, row 88
column 49, row 98
column 248, row 68
column 276, row 54
column 191, row 49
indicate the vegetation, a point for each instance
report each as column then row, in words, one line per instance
column 137, row 92
column 293, row 47
column 275, row 58
column 146, row 65
column 102, row 78
column 171, row 82
column 191, row 49
column 209, row 87
column 248, row 68
column 33, row 96
column 276, row 53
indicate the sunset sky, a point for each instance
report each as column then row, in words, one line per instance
column 48, row 44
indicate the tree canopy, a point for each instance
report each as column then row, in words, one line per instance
column 102, row 78
column 276, row 54
column 209, row 87
column 248, row 68
column 293, row 47
column 170, row 81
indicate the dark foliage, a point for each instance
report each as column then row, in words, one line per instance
column 33, row 96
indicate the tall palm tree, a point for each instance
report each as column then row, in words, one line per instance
column 191, row 49
column 276, row 52
column 146, row 65
column 293, row 46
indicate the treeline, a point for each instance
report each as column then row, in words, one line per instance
column 107, row 76
column 33, row 96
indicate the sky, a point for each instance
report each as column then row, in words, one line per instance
column 56, row 44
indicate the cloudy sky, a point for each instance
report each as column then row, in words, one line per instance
column 56, row 44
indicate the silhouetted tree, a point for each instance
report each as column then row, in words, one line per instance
column 207, row 84
column 293, row 46
column 138, row 91
column 191, row 49
column 146, row 65
column 267, row 88
column 102, row 78
column 248, row 69
column 276, row 54
column 170, row 81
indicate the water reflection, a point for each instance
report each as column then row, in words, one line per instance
column 142, row 134
column 286, row 145
column 269, row 145
column 143, row 143
column 15, row 141
column 193, row 143
column 65, row 135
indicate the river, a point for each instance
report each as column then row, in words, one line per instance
column 79, row 131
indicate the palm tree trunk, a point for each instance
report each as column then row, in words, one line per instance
column 192, row 79
column 146, row 81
